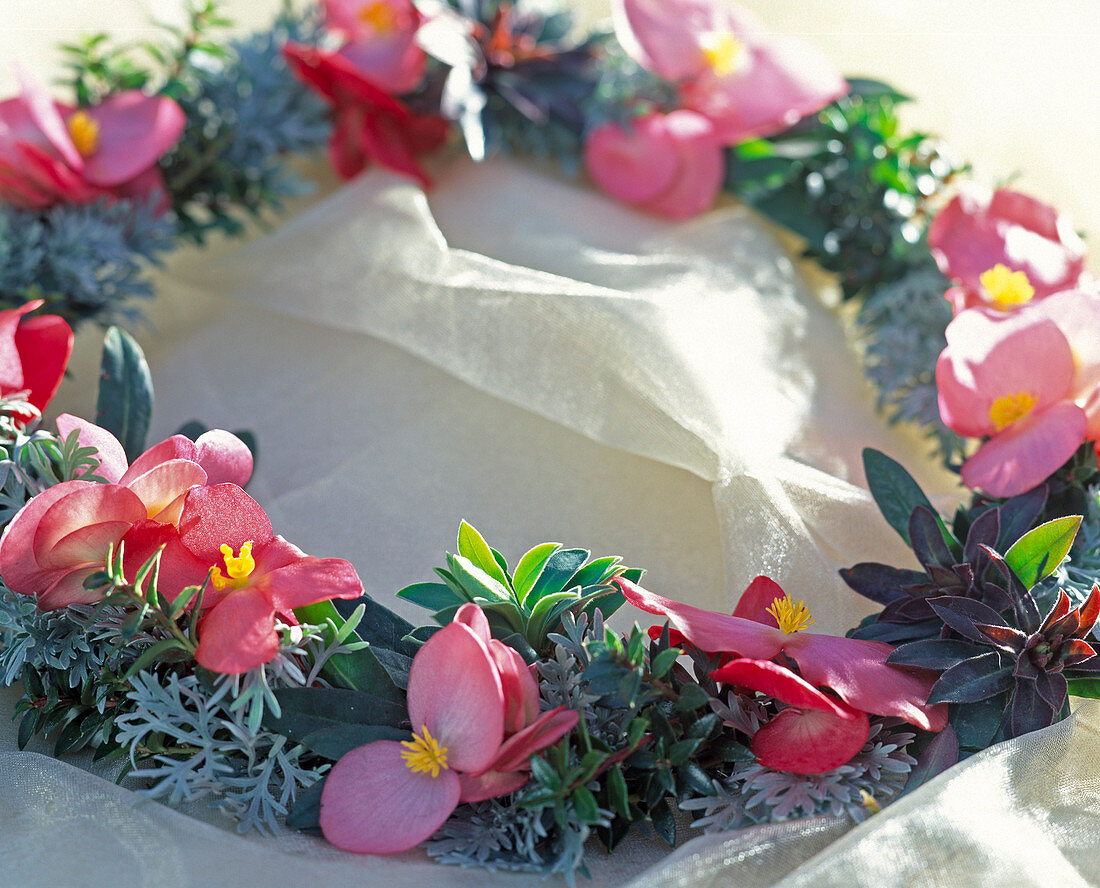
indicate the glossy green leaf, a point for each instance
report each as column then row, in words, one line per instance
column 530, row 568
column 897, row 494
column 1085, row 687
column 472, row 545
column 432, row 596
column 125, row 403
column 1038, row 552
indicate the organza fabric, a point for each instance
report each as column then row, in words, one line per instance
column 697, row 348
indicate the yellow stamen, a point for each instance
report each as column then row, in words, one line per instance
column 84, row 132
column 721, row 51
column 1005, row 287
column 1011, row 407
column 868, row 802
column 791, row 614
column 239, row 568
column 424, row 754
column 381, row 16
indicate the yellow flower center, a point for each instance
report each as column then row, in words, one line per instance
column 380, row 16
column 1008, row 408
column 721, row 51
column 791, row 614
column 868, row 802
column 85, row 133
column 1006, row 288
column 423, row 754
column 237, row 568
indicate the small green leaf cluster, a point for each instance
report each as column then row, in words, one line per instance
column 526, row 605
column 31, row 463
column 852, row 183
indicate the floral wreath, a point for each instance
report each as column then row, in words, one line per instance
column 152, row 614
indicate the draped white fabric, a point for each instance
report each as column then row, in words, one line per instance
column 519, row 352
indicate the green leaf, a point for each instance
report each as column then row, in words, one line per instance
column 544, row 773
column 433, row 596
column 471, row 545
column 125, row 403
column 308, row 710
column 306, row 812
column 897, row 494
column 335, row 741
column 1085, row 687
column 557, row 573
column 530, row 567
column 584, row 803
column 663, row 662
column 1038, row 552
column 692, row 697
column 595, row 571
column 617, row 792
column 476, row 582
column 663, row 822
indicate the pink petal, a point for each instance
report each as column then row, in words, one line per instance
column 702, row 168
column 18, row 567
column 44, row 344
column 859, row 674
column 810, row 741
column 633, row 165
column 224, row 457
column 454, row 690
column 112, row 458
column 373, row 804
column 53, row 177
column 491, row 784
column 708, row 631
column 163, row 488
column 222, row 514
column 238, row 634
column 146, row 188
column 394, row 62
column 473, row 617
column 385, row 140
column 176, row 447
column 68, row 589
column 517, row 750
column 663, row 35
column 344, row 151
column 135, row 130
column 781, row 82
column 308, row 580
column 757, row 598
column 47, row 118
column 11, row 361
column 990, row 357
column 778, row 682
column 1027, row 452
column 178, row 567
column 1077, row 314
column 78, row 527
column 521, row 692
column 980, row 228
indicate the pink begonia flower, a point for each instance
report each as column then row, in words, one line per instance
column 467, row 694
column 748, row 83
column 51, row 153
column 371, row 126
column 63, row 535
column 816, row 733
column 254, row 576
column 381, row 37
column 669, row 164
column 854, row 669
column 1021, row 381
column 1004, row 249
column 34, row 352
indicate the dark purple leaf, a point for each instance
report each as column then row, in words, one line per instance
column 926, row 538
column 973, row 680
column 962, row 613
column 934, row 653
column 1027, row 611
column 939, row 755
column 1004, row 638
column 983, row 532
column 880, row 582
column 1019, row 514
column 1030, row 712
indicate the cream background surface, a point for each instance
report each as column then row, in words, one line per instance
column 687, row 403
